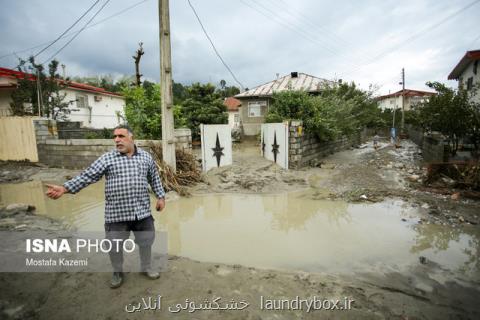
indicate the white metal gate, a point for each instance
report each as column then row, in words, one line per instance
column 216, row 145
column 274, row 143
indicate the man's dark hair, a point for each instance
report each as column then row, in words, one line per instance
column 124, row 126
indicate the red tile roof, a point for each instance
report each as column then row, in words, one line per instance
column 232, row 104
column 463, row 63
column 408, row 93
column 14, row 74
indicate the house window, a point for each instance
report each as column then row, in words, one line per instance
column 82, row 100
column 470, row 83
column 236, row 118
column 256, row 108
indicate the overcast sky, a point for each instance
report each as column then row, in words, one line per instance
column 363, row 41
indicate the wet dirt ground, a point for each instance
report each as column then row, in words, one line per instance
column 430, row 271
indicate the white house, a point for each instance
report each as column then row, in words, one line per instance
column 232, row 105
column 467, row 72
column 395, row 100
column 94, row 107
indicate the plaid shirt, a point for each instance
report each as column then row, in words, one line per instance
column 126, row 184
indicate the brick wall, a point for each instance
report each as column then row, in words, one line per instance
column 306, row 149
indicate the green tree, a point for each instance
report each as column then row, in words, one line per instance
column 450, row 112
column 338, row 110
column 52, row 101
column 143, row 110
column 203, row 105
column 226, row 91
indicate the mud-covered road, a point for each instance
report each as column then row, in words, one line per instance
column 424, row 291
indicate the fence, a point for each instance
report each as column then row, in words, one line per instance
column 17, row 139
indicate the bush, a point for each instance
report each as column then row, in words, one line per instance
column 338, row 110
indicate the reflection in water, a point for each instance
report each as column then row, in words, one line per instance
column 462, row 245
column 289, row 231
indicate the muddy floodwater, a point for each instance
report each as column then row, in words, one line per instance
column 285, row 231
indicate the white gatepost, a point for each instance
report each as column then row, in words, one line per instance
column 274, row 143
column 216, row 145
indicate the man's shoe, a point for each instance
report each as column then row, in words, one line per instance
column 152, row 275
column 117, row 280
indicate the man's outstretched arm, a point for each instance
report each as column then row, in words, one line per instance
column 90, row 175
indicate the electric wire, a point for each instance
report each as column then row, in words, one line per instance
column 213, row 46
column 69, row 34
column 68, row 29
column 76, row 34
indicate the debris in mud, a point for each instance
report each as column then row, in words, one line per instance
column 21, row 217
column 188, row 171
column 460, row 174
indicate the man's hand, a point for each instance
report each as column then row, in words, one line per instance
column 160, row 204
column 55, row 192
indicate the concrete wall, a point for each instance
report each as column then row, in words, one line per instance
column 305, row 148
column 80, row 153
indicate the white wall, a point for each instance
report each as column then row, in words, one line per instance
column 396, row 102
column 103, row 112
column 231, row 119
column 467, row 73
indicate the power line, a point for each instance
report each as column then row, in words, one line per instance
column 69, row 34
column 274, row 17
column 69, row 28
column 213, row 46
column 79, row 31
column 413, row 37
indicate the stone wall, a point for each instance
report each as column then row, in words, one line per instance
column 305, row 149
column 434, row 148
column 415, row 134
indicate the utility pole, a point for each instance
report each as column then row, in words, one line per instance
column 403, row 101
column 168, row 134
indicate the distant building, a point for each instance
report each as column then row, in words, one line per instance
column 94, row 107
column 467, row 72
column 233, row 105
column 394, row 100
column 256, row 101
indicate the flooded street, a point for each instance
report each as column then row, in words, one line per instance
column 357, row 226
column 286, row 231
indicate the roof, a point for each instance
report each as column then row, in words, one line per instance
column 232, row 104
column 14, row 74
column 469, row 57
column 408, row 93
column 292, row 81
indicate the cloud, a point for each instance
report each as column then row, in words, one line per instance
column 321, row 38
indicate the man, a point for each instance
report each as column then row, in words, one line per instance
column 128, row 171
